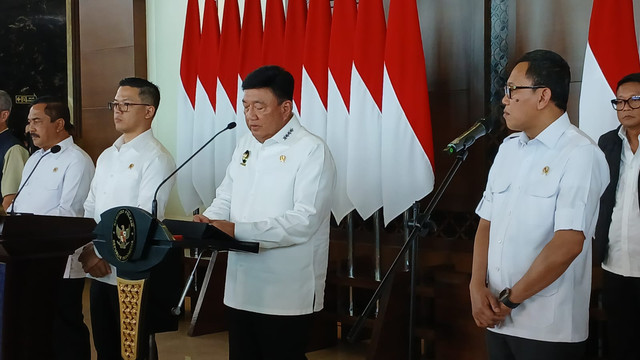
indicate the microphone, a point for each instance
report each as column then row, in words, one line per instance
column 462, row 142
column 154, row 203
column 54, row 149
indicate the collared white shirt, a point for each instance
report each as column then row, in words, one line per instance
column 58, row 186
column 535, row 188
column 278, row 193
column 624, row 233
column 127, row 174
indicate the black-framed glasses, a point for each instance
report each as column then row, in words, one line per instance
column 122, row 106
column 633, row 102
column 508, row 89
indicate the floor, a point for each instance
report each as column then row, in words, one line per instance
column 179, row 346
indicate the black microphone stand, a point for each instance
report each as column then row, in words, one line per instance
column 421, row 225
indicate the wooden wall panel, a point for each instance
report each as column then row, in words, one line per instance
column 112, row 46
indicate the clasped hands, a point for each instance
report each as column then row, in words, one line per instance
column 487, row 311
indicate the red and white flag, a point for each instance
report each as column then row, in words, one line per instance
column 364, row 185
column 250, row 55
column 313, row 98
column 273, row 39
column 186, row 105
column 203, row 169
column 343, row 28
column 612, row 53
column 294, row 45
column 227, row 90
column 407, row 143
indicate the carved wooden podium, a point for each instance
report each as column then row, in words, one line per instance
column 33, row 255
column 147, row 257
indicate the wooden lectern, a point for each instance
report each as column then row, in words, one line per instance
column 147, row 257
column 33, row 254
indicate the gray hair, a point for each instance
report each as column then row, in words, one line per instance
column 5, row 101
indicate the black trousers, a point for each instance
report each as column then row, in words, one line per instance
column 254, row 336
column 105, row 320
column 505, row 347
column 70, row 333
column 621, row 302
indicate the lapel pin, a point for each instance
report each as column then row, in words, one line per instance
column 245, row 156
column 545, row 170
column 131, row 166
column 55, row 169
column 283, row 158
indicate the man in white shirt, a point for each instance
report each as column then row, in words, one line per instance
column 277, row 192
column 13, row 154
column 59, row 186
column 127, row 174
column 617, row 237
column 531, row 277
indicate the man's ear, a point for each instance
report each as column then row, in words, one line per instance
column 287, row 108
column 59, row 124
column 150, row 112
column 4, row 115
column 544, row 99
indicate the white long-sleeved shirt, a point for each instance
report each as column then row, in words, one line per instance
column 127, row 174
column 58, row 186
column 278, row 194
column 535, row 188
column 624, row 232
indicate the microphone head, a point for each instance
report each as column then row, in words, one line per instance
column 55, row 149
column 231, row 125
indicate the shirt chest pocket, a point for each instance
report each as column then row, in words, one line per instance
column 54, row 179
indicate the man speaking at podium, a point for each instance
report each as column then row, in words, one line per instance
column 277, row 192
column 57, row 183
column 127, row 174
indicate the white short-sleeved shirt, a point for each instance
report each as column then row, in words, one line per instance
column 278, row 193
column 58, row 186
column 535, row 188
column 127, row 174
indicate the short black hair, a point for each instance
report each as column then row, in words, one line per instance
column 548, row 69
column 56, row 108
column 279, row 80
column 149, row 92
column 634, row 77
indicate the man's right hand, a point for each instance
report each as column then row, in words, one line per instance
column 201, row 219
column 92, row 263
column 485, row 307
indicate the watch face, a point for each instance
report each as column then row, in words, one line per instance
column 504, row 294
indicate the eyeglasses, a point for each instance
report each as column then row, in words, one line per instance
column 122, row 106
column 633, row 102
column 508, row 89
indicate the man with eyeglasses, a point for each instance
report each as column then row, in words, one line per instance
column 127, row 174
column 13, row 154
column 617, row 239
column 531, row 277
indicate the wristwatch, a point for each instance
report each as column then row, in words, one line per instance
column 504, row 298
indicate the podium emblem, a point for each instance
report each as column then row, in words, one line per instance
column 123, row 234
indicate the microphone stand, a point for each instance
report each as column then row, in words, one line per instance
column 421, row 225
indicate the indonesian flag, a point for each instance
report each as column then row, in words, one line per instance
column 203, row 169
column 343, row 28
column 186, row 105
column 407, row 144
column 250, row 55
column 612, row 53
column 227, row 90
column 364, row 185
column 315, row 74
column 294, row 45
column 273, row 39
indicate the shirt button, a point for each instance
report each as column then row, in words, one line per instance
column 500, row 241
column 497, row 269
